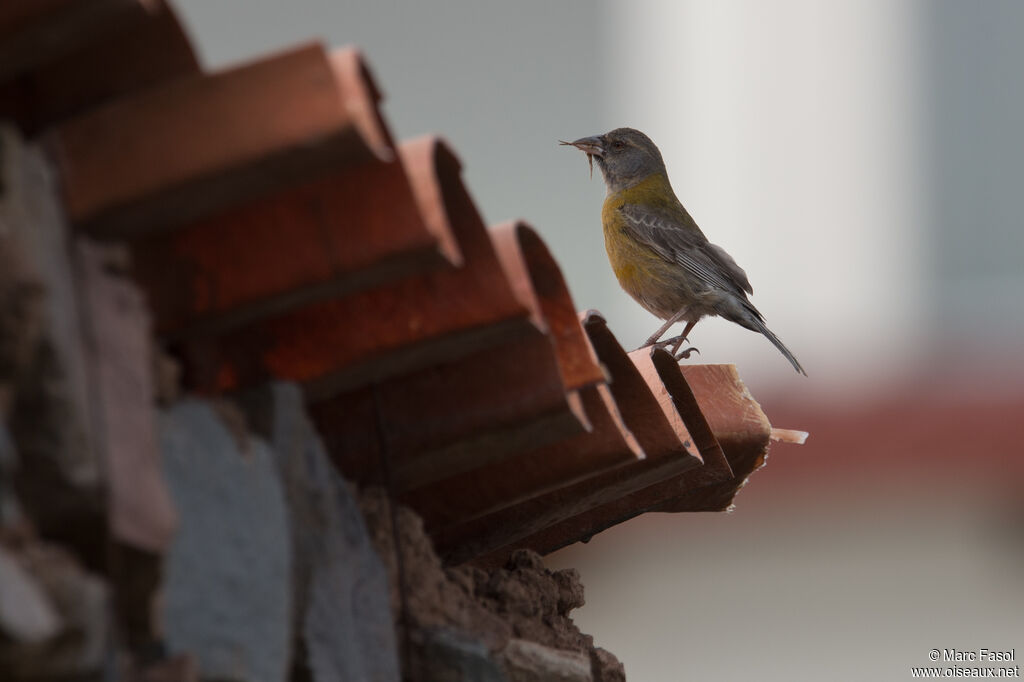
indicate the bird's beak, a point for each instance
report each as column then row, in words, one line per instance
column 590, row 145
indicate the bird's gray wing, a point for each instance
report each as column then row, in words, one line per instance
column 677, row 239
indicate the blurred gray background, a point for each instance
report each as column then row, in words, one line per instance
column 864, row 162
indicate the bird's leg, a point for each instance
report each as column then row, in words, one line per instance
column 679, row 342
column 666, row 343
column 664, row 328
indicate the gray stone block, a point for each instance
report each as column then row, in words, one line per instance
column 444, row 655
column 55, row 618
column 26, row 614
column 341, row 590
column 44, row 378
column 139, row 509
column 10, row 510
column 227, row 591
column 31, row 218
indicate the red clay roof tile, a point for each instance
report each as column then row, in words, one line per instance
column 483, row 490
column 174, row 153
column 140, row 47
column 663, row 375
column 453, row 417
column 413, row 322
column 648, row 409
column 645, row 403
column 740, row 426
column 278, row 234
column 38, row 32
column 537, row 280
column 357, row 227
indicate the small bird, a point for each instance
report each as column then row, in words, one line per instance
column 659, row 255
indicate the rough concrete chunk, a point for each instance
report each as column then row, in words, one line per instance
column 531, row 662
column 426, row 595
column 605, row 667
column 535, row 601
column 341, row 590
column 227, row 591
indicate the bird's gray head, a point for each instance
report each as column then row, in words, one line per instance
column 625, row 156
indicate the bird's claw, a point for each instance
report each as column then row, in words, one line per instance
column 685, row 353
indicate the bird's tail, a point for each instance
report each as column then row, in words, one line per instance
column 781, row 346
column 752, row 320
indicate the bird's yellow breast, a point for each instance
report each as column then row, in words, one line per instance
column 643, row 273
column 631, row 259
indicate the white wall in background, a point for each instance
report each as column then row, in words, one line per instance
column 792, row 132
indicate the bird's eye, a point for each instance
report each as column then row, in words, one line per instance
column 618, row 145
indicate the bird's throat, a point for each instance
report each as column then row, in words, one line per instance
column 652, row 190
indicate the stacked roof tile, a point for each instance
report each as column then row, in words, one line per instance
column 279, row 232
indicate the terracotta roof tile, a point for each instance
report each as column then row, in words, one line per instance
column 569, row 524
column 537, row 280
column 141, row 163
column 123, row 46
column 485, row 406
column 740, row 426
column 366, row 223
column 36, row 33
column 279, row 234
column 417, row 321
column 512, row 480
column 452, row 417
column 647, row 407
column 679, row 404
column 276, row 232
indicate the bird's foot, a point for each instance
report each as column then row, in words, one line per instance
column 685, row 353
column 670, row 344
